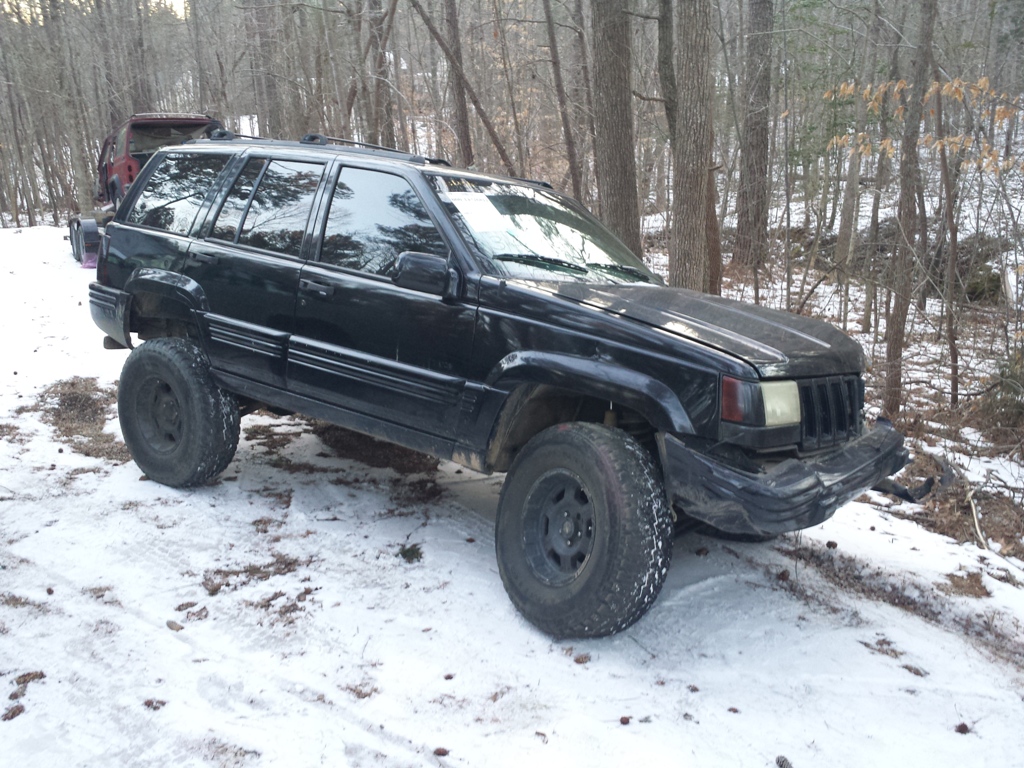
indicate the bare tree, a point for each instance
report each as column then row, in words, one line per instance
column 906, row 256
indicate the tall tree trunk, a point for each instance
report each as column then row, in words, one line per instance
column 689, row 257
column 563, row 107
column 953, row 255
column 501, row 25
column 462, row 132
column 584, row 59
column 752, row 195
column 615, row 159
column 906, row 256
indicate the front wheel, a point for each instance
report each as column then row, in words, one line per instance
column 583, row 533
column 179, row 426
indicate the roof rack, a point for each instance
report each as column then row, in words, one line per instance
column 319, row 138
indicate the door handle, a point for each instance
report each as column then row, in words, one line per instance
column 204, row 258
column 318, row 288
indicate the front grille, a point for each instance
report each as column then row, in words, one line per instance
column 830, row 411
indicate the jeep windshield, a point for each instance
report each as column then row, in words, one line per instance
column 536, row 234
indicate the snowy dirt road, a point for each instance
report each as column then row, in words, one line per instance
column 310, row 609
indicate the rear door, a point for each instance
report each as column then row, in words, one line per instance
column 248, row 264
column 363, row 343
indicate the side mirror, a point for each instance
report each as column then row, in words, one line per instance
column 427, row 273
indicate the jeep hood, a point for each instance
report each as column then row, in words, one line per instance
column 777, row 344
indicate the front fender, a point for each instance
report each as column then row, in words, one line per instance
column 595, row 377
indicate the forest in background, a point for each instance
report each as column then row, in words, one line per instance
column 872, row 143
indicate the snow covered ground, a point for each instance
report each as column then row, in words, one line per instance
column 269, row 619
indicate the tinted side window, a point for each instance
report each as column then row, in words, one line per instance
column 173, row 194
column 230, row 216
column 277, row 215
column 373, row 218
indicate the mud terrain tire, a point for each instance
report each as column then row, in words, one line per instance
column 583, row 532
column 179, row 426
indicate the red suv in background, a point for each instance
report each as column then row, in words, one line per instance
column 128, row 148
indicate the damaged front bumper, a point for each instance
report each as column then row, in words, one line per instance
column 793, row 494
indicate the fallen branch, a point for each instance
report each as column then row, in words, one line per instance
column 977, row 522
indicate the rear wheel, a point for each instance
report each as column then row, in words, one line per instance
column 583, row 534
column 179, row 426
column 77, row 237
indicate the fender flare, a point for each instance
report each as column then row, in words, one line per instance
column 181, row 295
column 649, row 397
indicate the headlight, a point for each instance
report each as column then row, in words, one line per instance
column 760, row 403
column 781, row 403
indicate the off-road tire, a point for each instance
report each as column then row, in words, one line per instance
column 583, row 533
column 180, row 427
column 77, row 237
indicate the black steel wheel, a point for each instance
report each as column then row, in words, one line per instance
column 583, row 534
column 179, row 426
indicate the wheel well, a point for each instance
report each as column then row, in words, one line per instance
column 532, row 408
column 155, row 316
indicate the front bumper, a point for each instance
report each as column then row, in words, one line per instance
column 794, row 494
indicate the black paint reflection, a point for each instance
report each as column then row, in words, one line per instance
column 373, row 218
column 175, row 191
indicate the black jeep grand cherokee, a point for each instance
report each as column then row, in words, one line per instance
column 485, row 320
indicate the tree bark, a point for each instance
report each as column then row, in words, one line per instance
column 752, row 195
column 615, row 160
column 689, row 255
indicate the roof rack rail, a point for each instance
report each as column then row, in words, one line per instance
column 223, row 134
column 321, row 139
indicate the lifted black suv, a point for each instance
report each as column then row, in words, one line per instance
column 489, row 321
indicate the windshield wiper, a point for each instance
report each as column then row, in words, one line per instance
column 622, row 269
column 540, row 261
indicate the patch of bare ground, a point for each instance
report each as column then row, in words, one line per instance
column 78, row 409
column 16, row 601
column 217, row 579
column 966, row 585
column 376, row 453
column 283, row 609
column 11, row 433
column 950, row 510
column 1001, row 636
column 273, row 437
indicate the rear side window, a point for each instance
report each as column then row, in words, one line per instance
column 373, row 218
column 175, row 191
column 274, row 216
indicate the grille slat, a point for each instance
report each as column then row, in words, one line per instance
column 831, row 411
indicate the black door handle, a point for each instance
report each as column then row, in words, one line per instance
column 205, row 258
column 318, row 288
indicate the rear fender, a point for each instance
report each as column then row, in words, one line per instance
column 177, row 294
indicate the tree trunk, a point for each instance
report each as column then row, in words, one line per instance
column 462, row 132
column 752, row 196
column 689, row 257
column 906, row 255
column 949, row 206
column 615, row 160
column 563, row 107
